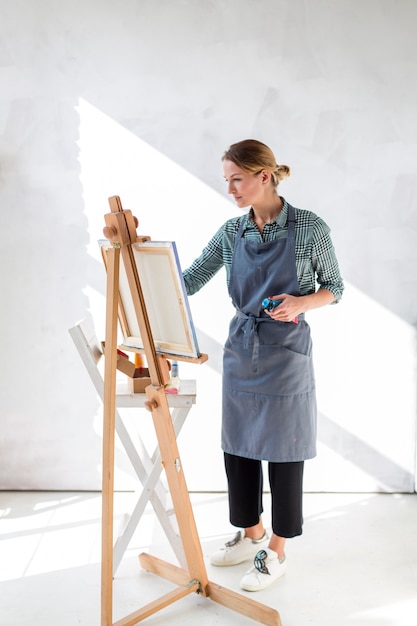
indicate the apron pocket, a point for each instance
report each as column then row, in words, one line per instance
column 281, row 372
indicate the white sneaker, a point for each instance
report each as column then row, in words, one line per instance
column 238, row 550
column 267, row 568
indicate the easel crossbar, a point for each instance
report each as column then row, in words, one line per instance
column 230, row 599
column 158, row 605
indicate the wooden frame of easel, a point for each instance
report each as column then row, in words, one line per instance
column 121, row 231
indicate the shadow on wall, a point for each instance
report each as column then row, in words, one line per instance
column 43, row 269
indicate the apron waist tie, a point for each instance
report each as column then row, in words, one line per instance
column 250, row 329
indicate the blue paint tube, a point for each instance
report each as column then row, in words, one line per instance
column 269, row 304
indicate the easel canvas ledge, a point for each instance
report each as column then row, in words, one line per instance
column 120, row 230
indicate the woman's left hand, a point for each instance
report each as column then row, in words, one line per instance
column 289, row 308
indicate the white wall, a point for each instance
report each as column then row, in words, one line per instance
column 140, row 99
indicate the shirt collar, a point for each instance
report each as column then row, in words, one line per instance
column 280, row 219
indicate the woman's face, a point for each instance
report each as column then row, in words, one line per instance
column 247, row 189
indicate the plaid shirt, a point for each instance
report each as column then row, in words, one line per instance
column 314, row 251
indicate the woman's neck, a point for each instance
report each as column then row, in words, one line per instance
column 262, row 214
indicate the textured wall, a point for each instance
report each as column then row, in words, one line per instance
column 140, row 99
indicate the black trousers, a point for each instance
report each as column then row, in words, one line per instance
column 245, row 481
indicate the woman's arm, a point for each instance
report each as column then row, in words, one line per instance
column 291, row 306
column 206, row 265
column 326, row 268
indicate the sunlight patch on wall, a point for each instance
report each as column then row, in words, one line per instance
column 169, row 202
column 365, row 363
column 365, row 356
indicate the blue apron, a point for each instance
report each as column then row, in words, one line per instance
column 269, row 404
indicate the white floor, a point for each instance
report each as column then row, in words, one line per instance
column 355, row 565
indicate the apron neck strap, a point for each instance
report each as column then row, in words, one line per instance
column 290, row 222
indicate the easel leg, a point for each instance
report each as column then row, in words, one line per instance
column 109, row 414
column 177, row 485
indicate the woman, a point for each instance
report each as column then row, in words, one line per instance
column 269, row 406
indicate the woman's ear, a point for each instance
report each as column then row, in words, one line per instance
column 266, row 176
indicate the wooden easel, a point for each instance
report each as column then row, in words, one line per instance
column 121, row 231
column 146, row 465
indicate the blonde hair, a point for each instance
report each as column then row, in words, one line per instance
column 253, row 156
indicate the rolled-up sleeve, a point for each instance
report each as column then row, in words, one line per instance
column 324, row 261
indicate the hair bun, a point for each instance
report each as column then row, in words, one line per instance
column 281, row 172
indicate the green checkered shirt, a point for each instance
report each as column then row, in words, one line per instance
column 314, row 251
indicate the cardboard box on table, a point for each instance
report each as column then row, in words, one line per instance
column 137, row 377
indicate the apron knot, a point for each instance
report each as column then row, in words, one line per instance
column 250, row 330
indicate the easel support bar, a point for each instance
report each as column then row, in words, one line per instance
column 230, row 599
column 157, row 605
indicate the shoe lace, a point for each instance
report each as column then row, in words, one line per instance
column 233, row 542
column 259, row 562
